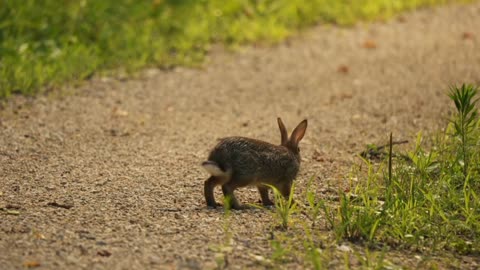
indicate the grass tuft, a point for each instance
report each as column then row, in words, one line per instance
column 427, row 201
column 465, row 123
column 284, row 207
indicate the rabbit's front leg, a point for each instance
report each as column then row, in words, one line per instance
column 286, row 190
column 264, row 195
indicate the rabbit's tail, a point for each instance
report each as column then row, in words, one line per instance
column 214, row 169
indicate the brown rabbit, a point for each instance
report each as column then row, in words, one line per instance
column 238, row 162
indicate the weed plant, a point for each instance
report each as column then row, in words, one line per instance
column 284, row 207
column 427, row 201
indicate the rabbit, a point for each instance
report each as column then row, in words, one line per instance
column 239, row 161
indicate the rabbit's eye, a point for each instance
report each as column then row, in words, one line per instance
column 298, row 149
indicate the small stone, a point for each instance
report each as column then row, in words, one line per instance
column 155, row 259
column 119, row 112
column 344, row 248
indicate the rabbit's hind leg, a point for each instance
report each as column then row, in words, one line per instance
column 210, row 185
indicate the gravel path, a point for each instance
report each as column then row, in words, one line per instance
column 108, row 177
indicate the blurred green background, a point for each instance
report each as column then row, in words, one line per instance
column 46, row 43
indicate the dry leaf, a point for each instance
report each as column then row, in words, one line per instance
column 13, row 212
column 370, row 44
column 467, row 35
column 104, row 253
column 39, row 236
column 343, row 69
column 60, row 205
column 31, row 264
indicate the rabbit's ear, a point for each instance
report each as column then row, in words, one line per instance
column 299, row 132
column 283, row 131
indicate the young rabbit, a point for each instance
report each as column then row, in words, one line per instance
column 238, row 162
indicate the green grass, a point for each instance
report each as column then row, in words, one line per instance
column 48, row 43
column 425, row 200
column 284, row 207
column 428, row 200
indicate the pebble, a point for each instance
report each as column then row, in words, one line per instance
column 154, row 259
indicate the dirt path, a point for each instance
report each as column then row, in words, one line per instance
column 120, row 158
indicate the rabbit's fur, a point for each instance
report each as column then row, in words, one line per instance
column 238, row 161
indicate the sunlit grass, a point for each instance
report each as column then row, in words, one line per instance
column 47, row 43
column 428, row 200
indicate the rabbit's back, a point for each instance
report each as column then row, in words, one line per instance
column 253, row 160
